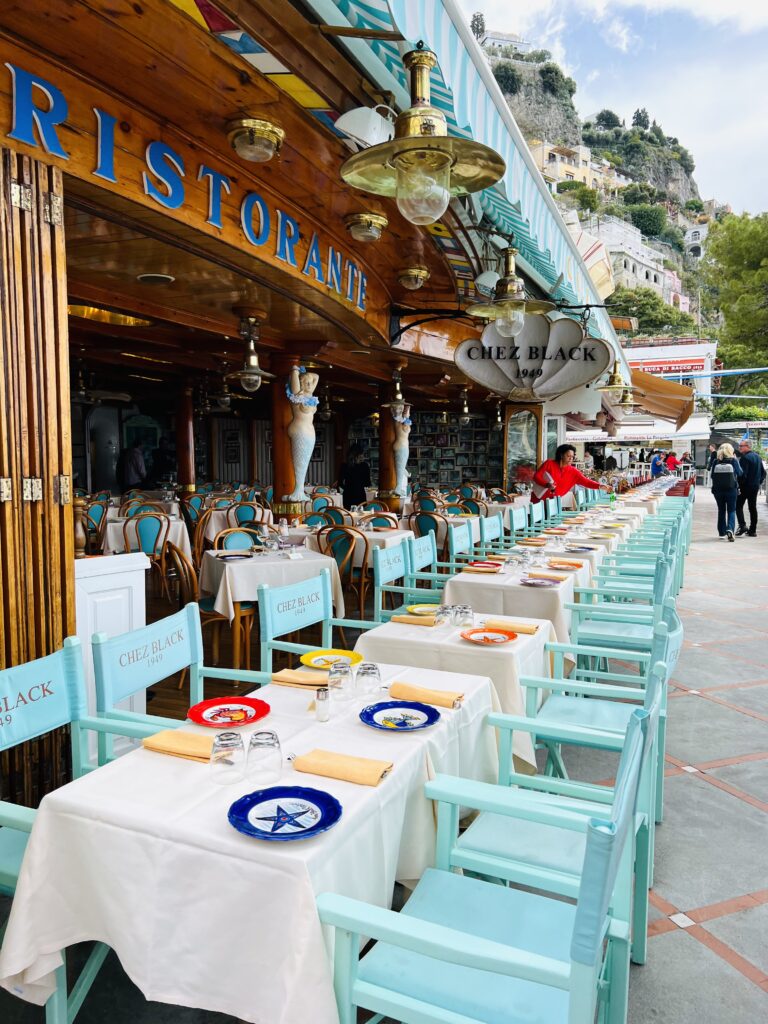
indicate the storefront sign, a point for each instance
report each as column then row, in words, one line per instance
column 668, row 365
column 546, row 360
column 172, row 178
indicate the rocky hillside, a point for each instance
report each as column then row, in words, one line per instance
column 543, row 110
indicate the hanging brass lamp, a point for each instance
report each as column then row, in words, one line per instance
column 422, row 167
column 509, row 304
column 615, row 381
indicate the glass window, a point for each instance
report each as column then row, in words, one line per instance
column 552, row 435
column 522, row 437
column 569, row 177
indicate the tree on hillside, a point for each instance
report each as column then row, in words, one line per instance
column 477, row 24
column 638, row 192
column 508, row 77
column 650, row 219
column 658, row 133
column 654, row 316
column 640, row 119
column 694, row 206
column 607, row 119
column 735, row 267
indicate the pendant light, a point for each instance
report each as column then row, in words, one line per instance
column 509, row 304
column 251, row 377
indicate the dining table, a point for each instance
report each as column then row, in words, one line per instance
column 114, row 537
column 170, row 508
column 504, row 593
column 218, row 520
column 140, row 854
column 379, row 537
column 447, row 648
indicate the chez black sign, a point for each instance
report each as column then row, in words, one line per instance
column 533, row 352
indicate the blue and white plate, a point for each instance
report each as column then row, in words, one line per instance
column 399, row 715
column 528, row 581
column 577, row 548
column 281, row 814
column 233, row 558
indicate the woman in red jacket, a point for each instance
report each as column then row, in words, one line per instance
column 557, row 476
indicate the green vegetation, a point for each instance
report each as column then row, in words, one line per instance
column 654, row 316
column 694, row 206
column 586, row 198
column 554, row 81
column 607, row 119
column 477, row 25
column 508, row 77
column 725, row 412
column 640, row 119
column 651, row 220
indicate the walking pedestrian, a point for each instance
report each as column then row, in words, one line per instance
column 752, row 476
column 726, row 471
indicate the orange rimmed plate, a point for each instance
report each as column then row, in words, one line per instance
column 487, row 637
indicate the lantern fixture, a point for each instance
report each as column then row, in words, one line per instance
column 251, row 377
column 615, row 381
column 255, row 139
column 509, row 304
column 413, row 278
column 365, row 227
column 498, row 423
column 627, row 401
column 464, row 418
column 325, row 412
column 422, row 167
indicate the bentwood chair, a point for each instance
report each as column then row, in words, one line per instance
column 54, row 687
column 245, row 512
column 284, row 610
column 125, row 664
column 332, row 514
column 350, row 548
column 475, row 506
column 320, row 502
column 147, row 532
column 189, row 593
column 423, row 523
column 467, row 951
column 373, row 506
column 317, row 518
column 238, row 538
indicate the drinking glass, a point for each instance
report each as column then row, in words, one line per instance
column 368, row 679
column 227, row 761
column 265, row 759
column 341, row 683
column 463, row 615
column 443, row 614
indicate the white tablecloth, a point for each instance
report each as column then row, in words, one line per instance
column 383, row 539
column 237, row 581
column 114, row 540
column 139, row 854
column 441, row 647
column 171, row 508
column 504, row 594
column 474, row 528
column 217, row 521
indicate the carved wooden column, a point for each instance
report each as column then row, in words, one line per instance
column 185, row 441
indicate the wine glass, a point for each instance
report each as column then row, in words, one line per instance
column 227, row 761
column 444, row 614
column 264, row 762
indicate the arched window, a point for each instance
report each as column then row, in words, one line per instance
column 695, row 236
column 695, row 251
column 626, row 264
column 634, row 268
column 647, row 276
column 655, row 278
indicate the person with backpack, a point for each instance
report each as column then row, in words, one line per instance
column 752, row 476
column 726, row 471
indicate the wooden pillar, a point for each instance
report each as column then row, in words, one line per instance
column 253, row 451
column 387, row 478
column 282, row 463
column 185, row 441
column 37, row 593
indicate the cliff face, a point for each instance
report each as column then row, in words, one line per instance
column 661, row 170
column 540, row 114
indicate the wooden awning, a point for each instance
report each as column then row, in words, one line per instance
column 663, row 398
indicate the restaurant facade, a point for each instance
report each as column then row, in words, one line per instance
column 144, row 257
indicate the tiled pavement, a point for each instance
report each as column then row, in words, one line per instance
column 708, row 953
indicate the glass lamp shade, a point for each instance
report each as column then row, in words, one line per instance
column 510, row 323
column 250, row 382
column 249, row 145
column 423, row 185
column 365, row 231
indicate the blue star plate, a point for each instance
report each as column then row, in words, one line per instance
column 281, row 814
column 399, row 715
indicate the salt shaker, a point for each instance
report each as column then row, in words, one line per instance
column 322, row 704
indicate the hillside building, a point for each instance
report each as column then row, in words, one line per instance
column 495, row 42
column 559, row 163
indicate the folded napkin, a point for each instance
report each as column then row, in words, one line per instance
column 555, row 529
column 526, row 628
column 482, row 568
column 503, row 557
column 546, row 576
column 533, row 542
column 292, row 677
column 362, row 770
column 440, row 698
column 603, row 536
column 191, row 745
column 414, row 620
column 564, row 563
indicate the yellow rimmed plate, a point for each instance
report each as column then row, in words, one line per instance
column 421, row 609
column 323, row 659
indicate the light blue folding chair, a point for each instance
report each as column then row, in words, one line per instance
column 53, row 692
column 467, row 951
column 460, row 543
column 393, row 564
column 283, row 610
column 492, row 538
column 535, row 518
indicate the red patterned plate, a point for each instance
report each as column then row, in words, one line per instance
column 228, row 712
column 484, row 565
column 485, row 635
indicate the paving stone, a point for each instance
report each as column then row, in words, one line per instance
column 755, row 698
column 700, row 730
column 751, row 777
column 710, row 847
column 700, row 668
column 686, row 983
column 745, row 931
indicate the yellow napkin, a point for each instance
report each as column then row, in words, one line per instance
column 532, row 542
column 501, row 558
column 414, row 620
column 362, row 770
column 440, row 698
column 555, row 530
column 526, row 628
column 482, row 568
column 604, row 536
column 291, row 677
column 547, row 576
column 563, row 563
column 191, row 745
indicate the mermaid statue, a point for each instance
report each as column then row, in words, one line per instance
column 301, row 431
column 401, row 416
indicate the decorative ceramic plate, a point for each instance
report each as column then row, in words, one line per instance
column 528, row 582
column 488, row 636
column 228, row 712
column 483, row 565
column 533, row 543
column 421, row 609
column 576, row 548
column 234, row 558
column 399, row 715
column 330, row 656
column 284, row 813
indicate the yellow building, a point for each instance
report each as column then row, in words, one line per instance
column 560, row 162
